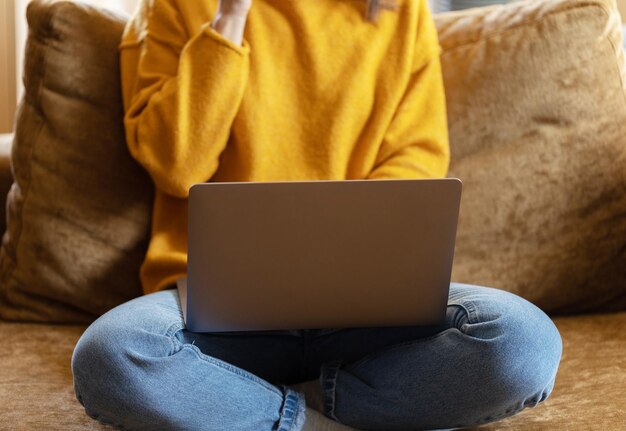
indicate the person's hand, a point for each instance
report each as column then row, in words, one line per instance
column 239, row 8
column 231, row 18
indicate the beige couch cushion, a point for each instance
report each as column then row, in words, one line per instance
column 79, row 211
column 36, row 380
column 537, row 111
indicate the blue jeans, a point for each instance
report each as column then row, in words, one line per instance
column 137, row 367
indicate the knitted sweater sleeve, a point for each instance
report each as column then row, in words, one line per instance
column 181, row 94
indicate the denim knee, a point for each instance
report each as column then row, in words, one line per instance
column 107, row 357
column 498, row 354
column 133, row 369
column 521, row 347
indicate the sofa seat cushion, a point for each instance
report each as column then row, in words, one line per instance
column 36, row 379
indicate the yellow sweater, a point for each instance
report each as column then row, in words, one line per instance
column 313, row 93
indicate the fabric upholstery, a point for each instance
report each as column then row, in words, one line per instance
column 537, row 110
column 36, row 380
column 79, row 211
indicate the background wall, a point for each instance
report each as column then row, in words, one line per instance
column 7, row 65
column 13, row 31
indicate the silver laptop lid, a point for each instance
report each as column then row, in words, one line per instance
column 316, row 254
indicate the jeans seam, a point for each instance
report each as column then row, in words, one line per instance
column 241, row 373
column 171, row 334
column 328, row 378
column 292, row 415
column 470, row 309
column 246, row 375
column 472, row 312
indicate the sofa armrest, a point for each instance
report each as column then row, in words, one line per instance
column 6, row 177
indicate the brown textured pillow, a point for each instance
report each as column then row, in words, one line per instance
column 537, row 113
column 79, row 210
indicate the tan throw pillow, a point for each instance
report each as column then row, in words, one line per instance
column 79, row 210
column 537, row 110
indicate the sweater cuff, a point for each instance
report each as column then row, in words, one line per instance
column 243, row 49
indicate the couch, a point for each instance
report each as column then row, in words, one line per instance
column 537, row 116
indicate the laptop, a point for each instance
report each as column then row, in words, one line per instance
column 319, row 254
